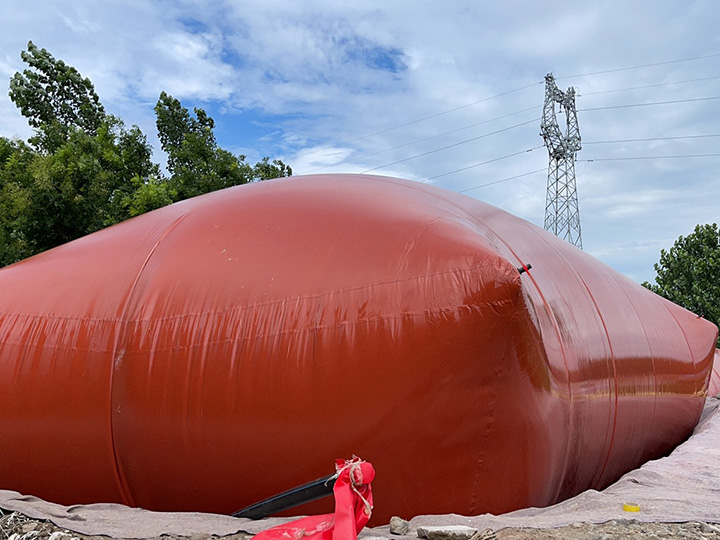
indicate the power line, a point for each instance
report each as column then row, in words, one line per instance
column 422, row 119
column 537, row 171
column 587, row 142
column 587, row 160
column 503, row 180
column 480, row 164
column 583, row 94
column 514, row 126
column 422, row 140
column 652, row 139
column 648, row 157
column 640, row 66
column 648, row 104
column 412, row 122
column 583, row 160
column 450, row 146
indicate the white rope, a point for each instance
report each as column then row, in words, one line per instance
column 356, row 479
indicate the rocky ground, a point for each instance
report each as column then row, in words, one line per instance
column 613, row 530
column 15, row 526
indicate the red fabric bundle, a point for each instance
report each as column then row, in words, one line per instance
column 353, row 507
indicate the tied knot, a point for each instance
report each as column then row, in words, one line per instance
column 360, row 474
column 356, row 474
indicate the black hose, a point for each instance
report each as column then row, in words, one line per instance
column 317, row 489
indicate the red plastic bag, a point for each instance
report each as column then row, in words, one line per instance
column 353, row 507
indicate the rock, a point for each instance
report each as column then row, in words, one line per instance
column 626, row 521
column 29, row 526
column 448, row 532
column 399, row 525
column 709, row 529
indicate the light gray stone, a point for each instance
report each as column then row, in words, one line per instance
column 709, row 529
column 447, row 532
column 398, row 525
column 29, row 526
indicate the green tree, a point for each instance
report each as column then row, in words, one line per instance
column 83, row 169
column 83, row 186
column 54, row 96
column 195, row 161
column 689, row 273
column 16, row 158
column 266, row 170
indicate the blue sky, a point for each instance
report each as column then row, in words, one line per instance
column 420, row 89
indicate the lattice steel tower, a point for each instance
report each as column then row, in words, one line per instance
column 562, row 216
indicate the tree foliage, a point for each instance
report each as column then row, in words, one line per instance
column 196, row 163
column 689, row 273
column 81, row 187
column 83, row 169
column 16, row 159
column 51, row 92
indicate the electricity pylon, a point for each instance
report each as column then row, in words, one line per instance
column 562, row 216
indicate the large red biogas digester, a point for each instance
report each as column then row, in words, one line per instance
column 218, row 351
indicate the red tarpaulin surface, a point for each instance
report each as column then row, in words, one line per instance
column 215, row 352
column 714, row 387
